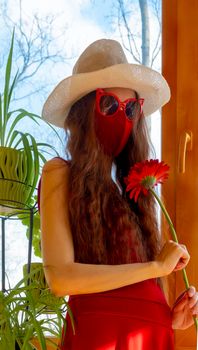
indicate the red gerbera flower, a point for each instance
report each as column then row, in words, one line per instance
column 145, row 175
column 142, row 178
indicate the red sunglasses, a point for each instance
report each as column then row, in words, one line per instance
column 108, row 104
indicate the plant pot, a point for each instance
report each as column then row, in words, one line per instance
column 42, row 293
column 13, row 194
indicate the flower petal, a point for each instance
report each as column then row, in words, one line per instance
column 143, row 175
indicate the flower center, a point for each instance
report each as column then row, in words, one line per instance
column 148, row 181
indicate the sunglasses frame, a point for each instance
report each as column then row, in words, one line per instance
column 121, row 104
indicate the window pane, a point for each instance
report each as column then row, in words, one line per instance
column 48, row 39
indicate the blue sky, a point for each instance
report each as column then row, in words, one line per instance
column 77, row 24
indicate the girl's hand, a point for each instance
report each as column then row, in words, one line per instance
column 173, row 257
column 184, row 308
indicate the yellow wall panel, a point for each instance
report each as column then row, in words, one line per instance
column 180, row 119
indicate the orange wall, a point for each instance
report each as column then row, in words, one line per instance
column 180, row 67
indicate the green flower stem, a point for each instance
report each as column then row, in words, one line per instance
column 174, row 235
column 166, row 215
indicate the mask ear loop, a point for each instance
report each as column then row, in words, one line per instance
column 141, row 102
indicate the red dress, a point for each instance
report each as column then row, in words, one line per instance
column 133, row 317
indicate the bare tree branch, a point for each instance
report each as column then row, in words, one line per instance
column 145, row 32
column 130, row 36
column 156, row 4
column 129, row 41
column 156, row 49
column 35, row 46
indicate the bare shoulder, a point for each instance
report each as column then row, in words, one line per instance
column 56, row 163
column 55, row 180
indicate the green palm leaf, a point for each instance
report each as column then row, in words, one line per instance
column 7, row 80
column 12, row 88
column 16, row 120
column 42, row 157
column 35, row 159
column 1, row 114
column 45, row 121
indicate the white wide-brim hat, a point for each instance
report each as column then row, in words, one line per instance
column 103, row 64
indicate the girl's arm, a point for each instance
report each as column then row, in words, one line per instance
column 66, row 277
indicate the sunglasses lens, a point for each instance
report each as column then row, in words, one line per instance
column 108, row 105
column 132, row 109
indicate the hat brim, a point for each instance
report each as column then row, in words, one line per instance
column 148, row 83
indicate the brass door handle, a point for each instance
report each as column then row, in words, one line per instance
column 185, row 144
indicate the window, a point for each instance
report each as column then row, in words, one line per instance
column 55, row 36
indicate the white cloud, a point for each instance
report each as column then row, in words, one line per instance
column 72, row 32
column 79, row 31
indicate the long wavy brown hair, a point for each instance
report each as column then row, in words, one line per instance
column 107, row 227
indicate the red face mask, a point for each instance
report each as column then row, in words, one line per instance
column 114, row 120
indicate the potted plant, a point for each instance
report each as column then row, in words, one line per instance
column 23, row 324
column 38, row 277
column 39, row 281
column 36, row 234
column 19, row 153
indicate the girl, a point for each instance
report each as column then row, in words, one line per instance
column 99, row 247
